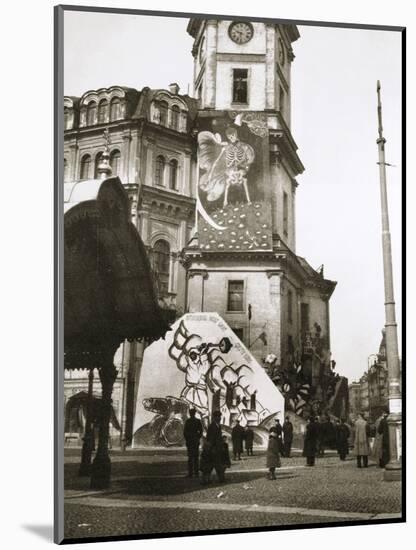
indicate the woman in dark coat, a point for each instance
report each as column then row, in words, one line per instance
column 237, row 436
column 310, row 441
column 273, row 454
column 342, row 435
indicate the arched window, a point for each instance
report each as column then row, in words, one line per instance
column 66, row 170
column 85, row 167
column 159, row 170
column 173, row 173
column 115, row 159
column 98, row 158
column 102, row 111
column 115, row 109
column 163, row 113
column 67, row 118
column 161, row 264
column 175, row 117
column 91, row 113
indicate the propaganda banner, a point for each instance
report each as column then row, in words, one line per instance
column 233, row 189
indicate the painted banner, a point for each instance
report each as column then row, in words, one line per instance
column 233, row 191
column 203, row 365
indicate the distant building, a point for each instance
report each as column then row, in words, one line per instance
column 354, row 399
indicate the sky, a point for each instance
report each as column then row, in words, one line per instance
column 334, row 123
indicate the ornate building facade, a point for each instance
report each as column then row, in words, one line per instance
column 212, row 185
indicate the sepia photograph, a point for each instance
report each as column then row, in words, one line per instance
column 229, row 350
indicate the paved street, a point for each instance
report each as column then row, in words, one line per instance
column 150, row 494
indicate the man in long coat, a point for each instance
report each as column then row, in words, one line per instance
column 287, row 437
column 342, row 435
column 361, row 444
column 310, row 441
column 216, row 445
column 383, row 431
column 192, row 433
column 237, row 436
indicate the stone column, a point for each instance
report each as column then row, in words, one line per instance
column 101, row 466
column 270, row 100
column 126, row 157
column 211, row 64
column 144, row 223
column 274, row 326
column 74, row 161
column 196, row 280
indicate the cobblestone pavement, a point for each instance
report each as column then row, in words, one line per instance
column 143, row 482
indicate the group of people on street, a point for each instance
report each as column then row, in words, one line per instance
column 239, row 436
column 215, row 451
column 316, row 437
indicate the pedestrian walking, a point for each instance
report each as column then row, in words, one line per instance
column 249, row 439
column 342, row 433
column 287, row 437
column 383, row 431
column 192, row 433
column 277, row 428
column 311, row 441
column 216, row 445
column 273, row 455
column 361, row 443
column 237, row 436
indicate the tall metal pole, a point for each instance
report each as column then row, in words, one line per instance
column 394, row 467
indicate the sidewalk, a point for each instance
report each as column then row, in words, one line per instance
column 157, row 497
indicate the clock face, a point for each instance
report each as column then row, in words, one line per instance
column 241, row 33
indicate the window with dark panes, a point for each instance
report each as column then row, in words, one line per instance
column 102, row 111
column 173, row 173
column 115, row 159
column 240, row 85
column 304, row 318
column 289, row 306
column 285, row 213
column 115, row 109
column 163, row 113
column 175, row 117
column 85, row 167
column 235, row 296
column 91, row 113
column 159, row 170
column 161, row 264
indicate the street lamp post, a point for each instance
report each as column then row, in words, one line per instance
column 394, row 467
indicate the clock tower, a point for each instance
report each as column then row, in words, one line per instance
column 243, row 66
column 242, row 262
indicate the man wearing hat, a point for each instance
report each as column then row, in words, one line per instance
column 192, row 433
column 216, row 445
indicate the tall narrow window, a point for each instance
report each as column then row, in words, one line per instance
column 240, row 85
column 97, row 161
column 282, row 100
column 175, row 117
column 102, row 111
column 289, row 306
column 163, row 113
column 161, row 264
column 304, row 318
column 115, row 160
column 91, row 113
column 159, row 170
column 115, row 109
column 85, row 167
column 285, row 213
column 173, row 174
column 235, row 296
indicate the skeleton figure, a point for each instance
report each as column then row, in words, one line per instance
column 225, row 164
